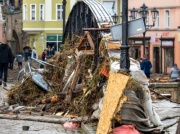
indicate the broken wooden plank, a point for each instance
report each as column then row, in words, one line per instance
column 96, row 29
column 91, row 41
column 85, row 52
column 81, row 43
column 73, row 83
column 111, row 45
column 112, row 101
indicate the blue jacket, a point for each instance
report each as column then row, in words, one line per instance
column 174, row 72
column 146, row 66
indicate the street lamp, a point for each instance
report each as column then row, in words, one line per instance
column 64, row 17
column 124, row 49
column 133, row 13
column 144, row 13
column 115, row 18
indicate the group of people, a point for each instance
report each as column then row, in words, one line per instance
column 47, row 53
column 146, row 66
column 28, row 55
column 7, row 58
column 50, row 51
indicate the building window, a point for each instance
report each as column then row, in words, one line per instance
column 157, row 21
column 147, row 19
column 33, row 12
column 41, row 12
column 167, row 19
column 59, row 11
column 25, row 12
column 110, row 6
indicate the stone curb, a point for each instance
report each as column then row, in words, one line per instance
column 45, row 118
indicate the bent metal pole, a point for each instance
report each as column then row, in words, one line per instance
column 124, row 49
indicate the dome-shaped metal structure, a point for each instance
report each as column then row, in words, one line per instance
column 86, row 14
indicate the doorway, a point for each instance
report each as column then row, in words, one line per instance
column 135, row 52
column 156, row 59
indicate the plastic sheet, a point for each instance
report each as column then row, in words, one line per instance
column 38, row 79
column 125, row 129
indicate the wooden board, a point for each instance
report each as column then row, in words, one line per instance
column 112, row 99
column 113, row 45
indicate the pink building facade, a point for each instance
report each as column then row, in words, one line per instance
column 162, row 44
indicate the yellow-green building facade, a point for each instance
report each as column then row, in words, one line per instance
column 43, row 21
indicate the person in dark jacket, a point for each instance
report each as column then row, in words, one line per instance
column 26, row 52
column 146, row 66
column 5, row 57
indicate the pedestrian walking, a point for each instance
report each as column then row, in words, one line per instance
column 26, row 52
column 43, row 55
column 174, row 73
column 5, row 57
column 33, row 55
column 146, row 66
column 19, row 59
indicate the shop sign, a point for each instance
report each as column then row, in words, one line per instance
column 165, row 34
column 54, row 38
column 167, row 43
column 138, row 42
column 51, row 38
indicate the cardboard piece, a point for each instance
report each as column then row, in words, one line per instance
column 113, row 101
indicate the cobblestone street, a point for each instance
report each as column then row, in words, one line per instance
column 8, row 126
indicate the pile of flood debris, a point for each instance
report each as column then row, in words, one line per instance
column 67, row 78
column 81, row 82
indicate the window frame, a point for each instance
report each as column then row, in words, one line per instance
column 25, row 10
column 167, row 18
column 59, row 11
column 41, row 16
column 31, row 12
column 157, row 21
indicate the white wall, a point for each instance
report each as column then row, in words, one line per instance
column 48, row 10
